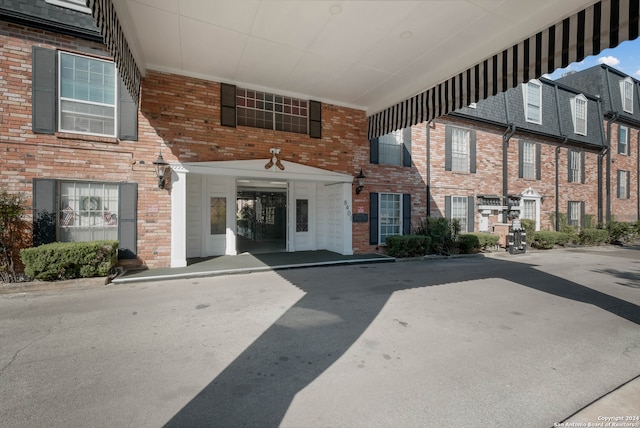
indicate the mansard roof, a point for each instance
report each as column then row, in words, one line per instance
column 46, row 16
column 557, row 119
column 603, row 82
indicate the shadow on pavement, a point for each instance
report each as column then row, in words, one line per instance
column 257, row 388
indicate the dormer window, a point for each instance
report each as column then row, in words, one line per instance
column 77, row 5
column 532, row 92
column 579, row 114
column 626, row 94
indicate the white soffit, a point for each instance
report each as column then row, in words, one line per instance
column 363, row 54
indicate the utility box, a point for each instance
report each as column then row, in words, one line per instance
column 502, row 230
column 517, row 240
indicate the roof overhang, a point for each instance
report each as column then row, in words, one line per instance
column 403, row 62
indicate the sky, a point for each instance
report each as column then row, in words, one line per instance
column 625, row 57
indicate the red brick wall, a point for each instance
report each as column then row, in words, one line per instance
column 624, row 209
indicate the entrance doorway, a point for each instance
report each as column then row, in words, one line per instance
column 261, row 225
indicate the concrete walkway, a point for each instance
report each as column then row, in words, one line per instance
column 247, row 263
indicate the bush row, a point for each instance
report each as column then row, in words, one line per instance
column 67, row 260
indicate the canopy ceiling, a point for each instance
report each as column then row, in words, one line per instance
column 402, row 62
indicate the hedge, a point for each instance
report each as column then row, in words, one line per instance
column 67, row 260
column 407, row 245
column 475, row 241
column 593, row 236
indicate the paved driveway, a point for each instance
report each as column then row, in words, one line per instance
column 503, row 341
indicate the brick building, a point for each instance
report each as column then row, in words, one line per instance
column 252, row 170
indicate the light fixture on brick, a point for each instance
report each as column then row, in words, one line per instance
column 274, row 159
column 161, row 169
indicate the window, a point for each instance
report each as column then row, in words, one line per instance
column 390, row 148
column 268, row 111
column 623, row 140
column 460, row 150
column 528, row 160
column 74, row 211
column 390, row 215
column 302, row 215
column 218, row 215
column 528, row 209
column 532, row 92
column 393, row 148
column 576, row 161
column 574, row 216
column 579, row 114
column 77, row 5
column 87, row 212
column 626, row 94
column 87, row 95
column 623, row 184
column 459, row 211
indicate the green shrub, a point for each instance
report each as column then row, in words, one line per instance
column 443, row 234
column 407, row 245
column 474, row 241
column 547, row 239
column 67, row 260
column 529, row 226
column 620, row 232
column 593, row 236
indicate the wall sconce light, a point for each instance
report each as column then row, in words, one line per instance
column 161, row 169
column 360, row 177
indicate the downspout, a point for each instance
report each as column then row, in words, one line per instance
column 564, row 141
column 428, row 172
column 614, row 117
column 508, row 133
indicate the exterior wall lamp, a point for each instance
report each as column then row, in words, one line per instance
column 360, row 177
column 161, row 169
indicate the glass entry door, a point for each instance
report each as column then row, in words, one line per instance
column 261, row 223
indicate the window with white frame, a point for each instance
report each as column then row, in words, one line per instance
column 459, row 150
column 623, row 140
column 390, row 215
column 623, row 184
column 575, row 214
column 87, row 211
column 528, row 160
column 528, row 209
column 575, row 166
column 579, row 114
column 87, row 101
column 532, row 92
column 390, row 147
column 626, row 93
column 459, row 210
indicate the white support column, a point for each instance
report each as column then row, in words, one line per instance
column 347, row 223
column 178, row 219
column 231, row 191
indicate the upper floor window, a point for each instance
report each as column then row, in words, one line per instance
column 532, row 92
column 623, row 140
column 529, row 152
column 393, row 148
column 390, row 148
column 576, row 167
column 460, row 150
column 87, row 101
column 579, row 114
column 77, row 5
column 268, row 111
column 626, row 93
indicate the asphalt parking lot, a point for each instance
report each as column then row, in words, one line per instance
column 500, row 341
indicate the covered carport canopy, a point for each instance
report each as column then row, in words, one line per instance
column 403, row 62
